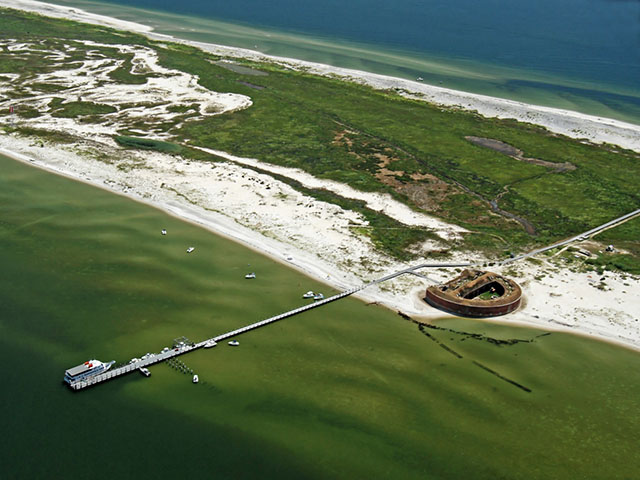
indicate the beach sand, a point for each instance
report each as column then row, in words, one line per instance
column 316, row 237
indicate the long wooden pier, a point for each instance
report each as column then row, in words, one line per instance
column 154, row 358
column 130, row 367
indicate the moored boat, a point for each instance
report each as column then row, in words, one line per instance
column 86, row 370
column 210, row 343
column 234, row 343
column 195, row 379
column 309, row 294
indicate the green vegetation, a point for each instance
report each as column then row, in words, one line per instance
column 488, row 296
column 48, row 135
column 616, row 261
column 124, row 73
column 76, row 109
column 148, row 144
column 373, row 141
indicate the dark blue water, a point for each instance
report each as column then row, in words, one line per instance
column 521, row 49
column 595, row 40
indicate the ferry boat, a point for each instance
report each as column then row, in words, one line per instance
column 190, row 249
column 145, row 371
column 86, row 370
column 195, row 379
column 210, row 343
column 309, row 294
column 250, row 275
column 234, row 343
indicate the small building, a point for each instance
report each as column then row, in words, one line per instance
column 476, row 293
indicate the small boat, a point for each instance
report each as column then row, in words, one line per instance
column 190, row 249
column 163, row 232
column 145, row 371
column 195, row 379
column 420, row 79
column 209, row 343
column 234, row 343
column 309, row 294
column 250, row 275
column 318, row 296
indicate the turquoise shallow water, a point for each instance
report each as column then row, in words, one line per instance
column 582, row 55
column 345, row 391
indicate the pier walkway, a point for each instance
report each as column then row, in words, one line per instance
column 151, row 359
column 154, row 358
column 174, row 352
column 130, row 367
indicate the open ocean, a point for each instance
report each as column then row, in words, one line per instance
column 581, row 55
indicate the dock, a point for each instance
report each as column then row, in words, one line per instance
column 181, row 350
column 184, row 348
column 131, row 367
column 154, row 358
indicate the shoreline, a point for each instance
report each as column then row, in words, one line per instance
column 584, row 127
column 314, row 237
column 405, row 294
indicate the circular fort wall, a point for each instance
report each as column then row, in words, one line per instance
column 459, row 296
column 469, row 309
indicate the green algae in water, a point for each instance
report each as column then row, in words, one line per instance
column 345, row 391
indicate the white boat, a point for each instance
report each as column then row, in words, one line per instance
column 309, row 294
column 163, row 232
column 145, row 371
column 209, row 343
column 420, row 79
column 195, row 379
column 234, row 343
column 190, row 249
column 86, row 370
column 318, row 296
column 250, row 275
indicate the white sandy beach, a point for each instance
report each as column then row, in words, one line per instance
column 312, row 236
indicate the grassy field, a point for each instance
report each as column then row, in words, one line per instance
column 373, row 141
